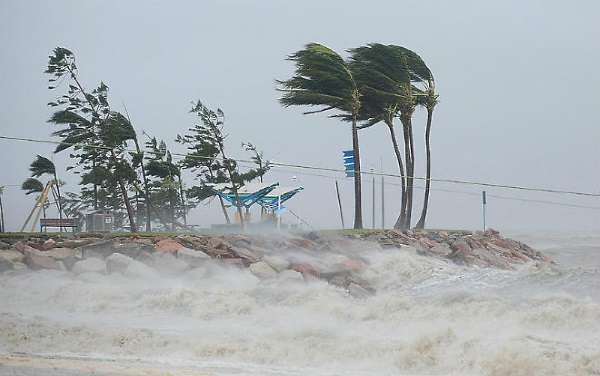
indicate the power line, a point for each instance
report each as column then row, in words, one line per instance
column 314, row 168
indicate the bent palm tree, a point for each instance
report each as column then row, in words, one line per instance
column 430, row 102
column 382, row 73
column 324, row 79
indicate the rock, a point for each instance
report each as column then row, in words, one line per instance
column 358, row 291
column 89, row 265
column 168, row 263
column 290, row 276
column 37, row 260
column 306, row 269
column 167, row 245
column 48, row 244
column 442, row 250
column 234, row 261
column 237, row 240
column 218, row 243
column 303, row 243
column 191, row 257
column 262, row 270
column 118, row 263
column 101, row 249
column 491, row 258
column 132, row 250
column 251, row 256
column 23, row 248
column 61, row 253
column 6, row 265
column 11, row 255
column 339, row 280
column 4, row 245
column 76, row 243
column 276, row 262
column 137, row 269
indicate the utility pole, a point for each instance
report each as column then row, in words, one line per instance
column 373, row 173
column 382, row 205
column 337, row 188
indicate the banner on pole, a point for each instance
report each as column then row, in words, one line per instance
column 349, row 163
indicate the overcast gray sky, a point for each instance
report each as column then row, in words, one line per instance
column 518, row 84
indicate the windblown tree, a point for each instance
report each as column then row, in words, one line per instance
column 392, row 80
column 167, row 186
column 43, row 166
column 324, row 79
column 96, row 135
column 420, row 77
column 429, row 102
column 206, row 145
column 382, row 75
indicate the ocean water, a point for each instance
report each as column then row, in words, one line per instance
column 428, row 317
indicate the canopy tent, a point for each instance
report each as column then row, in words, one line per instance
column 275, row 198
column 248, row 194
column 269, row 196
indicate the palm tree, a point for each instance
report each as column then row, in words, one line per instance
column 41, row 166
column 430, row 102
column 420, row 77
column 381, row 73
column 324, row 79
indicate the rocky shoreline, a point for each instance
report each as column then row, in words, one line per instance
column 334, row 257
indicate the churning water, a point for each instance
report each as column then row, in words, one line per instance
column 427, row 317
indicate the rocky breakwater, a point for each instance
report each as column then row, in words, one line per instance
column 338, row 258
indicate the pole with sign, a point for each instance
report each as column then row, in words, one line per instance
column 484, row 203
column 349, row 163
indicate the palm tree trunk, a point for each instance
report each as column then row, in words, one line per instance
column 410, row 169
column 130, row 214
column 403, row 221
column 146, row 191
column 357, row 178
column 402, row 176
column 421, row 223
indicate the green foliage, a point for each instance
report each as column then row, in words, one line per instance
column 42, row 165
column 32, row 185
column 96, row 136
column 207, row 158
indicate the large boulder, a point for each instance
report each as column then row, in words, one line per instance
column 277, row 262
column 118, row 263
column 191, row 257
column 168, row 263
column 5, row 265
column 89, row 265
column 37, row 261
column 262, row 270
column 11, row 255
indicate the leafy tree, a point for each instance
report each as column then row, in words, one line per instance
column 207, row 157
column 324, row 79
column 95, row 133
column 166, row 188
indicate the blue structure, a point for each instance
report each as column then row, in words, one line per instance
column 269, row 196
column 349, row 163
